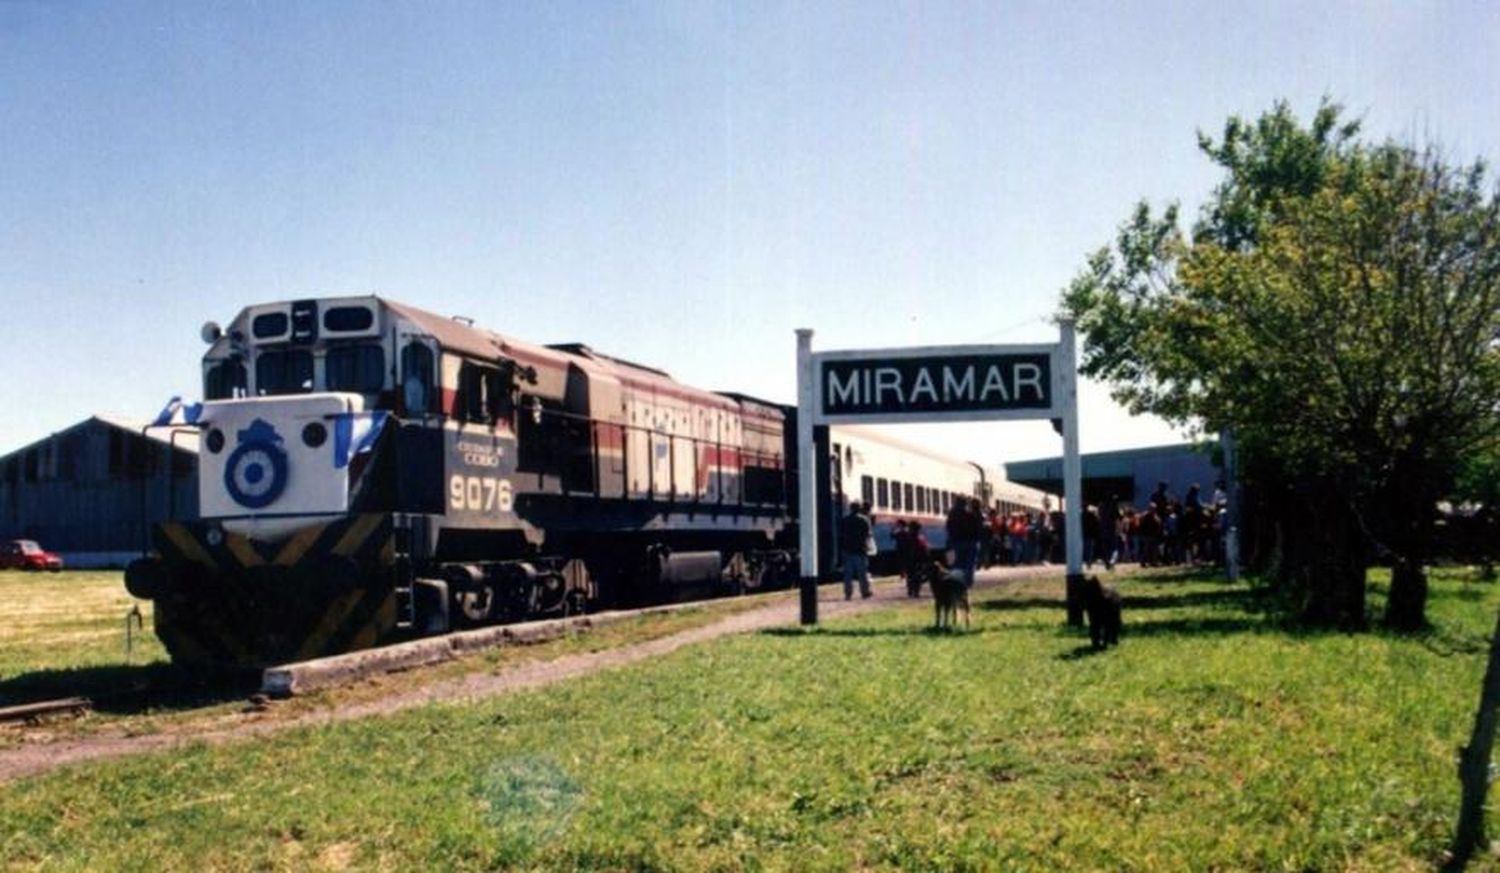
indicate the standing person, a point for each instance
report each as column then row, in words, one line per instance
column 1150, row 535
column 1160, row 499
column 1016, row 534
column 855, row 535
column 1090, row 532
column 1109, row 531
column 1188, row 532
column 964, row 525
column 913, row 553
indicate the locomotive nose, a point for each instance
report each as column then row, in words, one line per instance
column 256, row 472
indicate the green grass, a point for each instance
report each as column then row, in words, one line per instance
column 66, row 636
column 69, row 620
column 1212, row 739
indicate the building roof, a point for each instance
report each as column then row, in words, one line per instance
column 186, row 438
column 1102, row 465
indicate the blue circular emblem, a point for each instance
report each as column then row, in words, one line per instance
column 255, row 473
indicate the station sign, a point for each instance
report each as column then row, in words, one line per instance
column 934, row 384
column 952, row 383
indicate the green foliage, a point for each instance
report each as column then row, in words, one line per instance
column 1211, row 739
column 1479, row 477
column 1337, row 305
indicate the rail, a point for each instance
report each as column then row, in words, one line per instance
column 32, row 712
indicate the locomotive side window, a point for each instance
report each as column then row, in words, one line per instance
column 224, row 380
column 497, row 399
column 348, row 319
column 473, row 381
column 358, row 368
column 417, row 377
column 270, row 326
column 284, row 372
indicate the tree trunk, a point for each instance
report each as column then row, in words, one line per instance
column 1406, row 610
column 1410, row 498
column 1474, row 765
column 1323, row 559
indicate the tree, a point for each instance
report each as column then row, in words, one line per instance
column 1338, row 305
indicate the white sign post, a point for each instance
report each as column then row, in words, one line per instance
column 936, row 383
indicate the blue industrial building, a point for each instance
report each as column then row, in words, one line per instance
column 91, row 491
column 1129, row 474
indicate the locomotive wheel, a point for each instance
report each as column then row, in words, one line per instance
column 476, row 607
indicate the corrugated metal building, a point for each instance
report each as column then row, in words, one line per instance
column 91, row 491
column 1129, row 473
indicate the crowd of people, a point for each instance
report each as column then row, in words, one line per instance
column 1165, row 531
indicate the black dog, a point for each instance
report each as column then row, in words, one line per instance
column 1102, row 604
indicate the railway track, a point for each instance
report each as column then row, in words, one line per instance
column 33, row 713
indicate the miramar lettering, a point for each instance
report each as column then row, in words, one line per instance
column 963, row 383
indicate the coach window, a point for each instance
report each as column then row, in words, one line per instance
column 416, row 378
column 910, row 503
column 882, row 493
column 287, row 371
column 896, row 496
column 357, row 368
column 224, row 380
column 867, row 489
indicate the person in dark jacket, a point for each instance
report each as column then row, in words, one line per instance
column 965, row 525
column 1109, row 531
column 856, row 534
column 912, row 548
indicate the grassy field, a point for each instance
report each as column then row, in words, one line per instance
column 67, row 621
column 1212, row 739
column 65, row 636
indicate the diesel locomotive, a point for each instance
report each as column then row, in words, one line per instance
column 370, row 471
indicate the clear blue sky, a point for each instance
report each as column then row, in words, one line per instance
column 677, row 183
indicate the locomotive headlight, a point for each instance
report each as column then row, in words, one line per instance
column 215, row 441
column 314, row 435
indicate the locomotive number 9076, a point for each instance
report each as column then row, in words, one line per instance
column 480, row 494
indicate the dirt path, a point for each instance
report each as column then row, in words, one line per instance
column 30, row 759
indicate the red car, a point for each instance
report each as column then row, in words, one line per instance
column 27, row 555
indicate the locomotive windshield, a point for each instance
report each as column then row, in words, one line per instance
column 224, row 379
column 359, row 368
column 288, row 371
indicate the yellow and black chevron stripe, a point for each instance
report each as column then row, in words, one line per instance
column 240, row 601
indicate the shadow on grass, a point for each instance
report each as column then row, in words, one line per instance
column 1240, row 598
column 124, row 690
column 1469, row 593
column 1078, row 653
column 1198, row 627
column 922, row 631
column 1009, row 604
